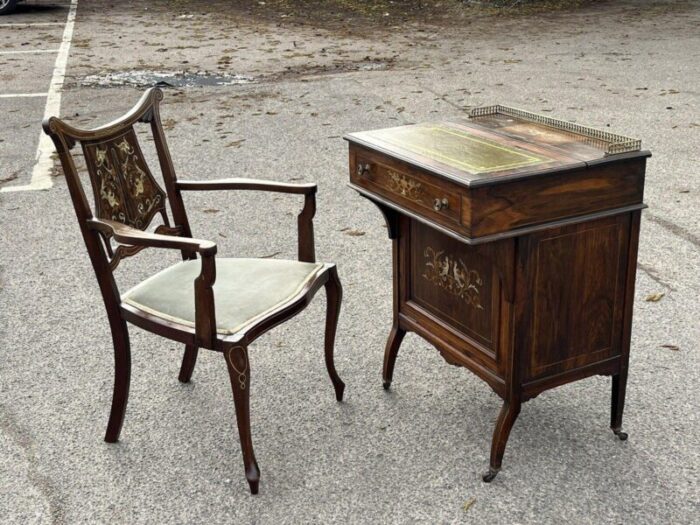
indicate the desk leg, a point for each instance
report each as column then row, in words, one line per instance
column 506, row 419
column 619, row 381
column 397, row 333
column 619, row 386
column 390, row 353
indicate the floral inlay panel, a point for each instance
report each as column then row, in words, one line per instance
column 404, row 186
column 124, row 188
column 109, row 194
column 145, row 194
column 452, row 275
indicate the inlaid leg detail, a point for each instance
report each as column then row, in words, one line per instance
column 239, row 373
column 334, row 297
column 390, row 352
column 188, row 362
column 619, row 386
column 506, row 419
column 122, row 377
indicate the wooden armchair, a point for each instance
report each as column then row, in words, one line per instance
column 204, row 302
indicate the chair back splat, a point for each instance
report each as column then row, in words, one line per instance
column 123, row 186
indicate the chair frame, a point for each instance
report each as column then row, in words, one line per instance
column 97, row 232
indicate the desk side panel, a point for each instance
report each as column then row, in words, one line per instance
column 575, row 277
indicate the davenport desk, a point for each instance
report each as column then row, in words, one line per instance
column 514, row 248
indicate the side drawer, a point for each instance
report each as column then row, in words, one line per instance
column 406, row 189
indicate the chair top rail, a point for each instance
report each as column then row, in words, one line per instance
column 141, row 112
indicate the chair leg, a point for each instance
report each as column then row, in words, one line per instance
column 390, row 353
column 334, row 297
column 506, row 419
column 239, row 372
column 619, row 387
column 188, row 362
column 122, row 376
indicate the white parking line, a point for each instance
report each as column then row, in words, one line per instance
column 41, row 174
column 29, row 51
column 32, row 24
column 23, row 95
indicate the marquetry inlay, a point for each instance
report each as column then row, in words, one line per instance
column 452, row 275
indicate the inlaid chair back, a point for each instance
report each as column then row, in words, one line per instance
column 123, row 186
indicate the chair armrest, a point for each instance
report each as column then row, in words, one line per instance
column 205, row 315
column 306, row 249
column 135, row 237
column 246, row 184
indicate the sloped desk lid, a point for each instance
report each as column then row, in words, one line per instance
column 498, row 143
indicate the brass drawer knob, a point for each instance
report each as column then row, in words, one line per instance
column 362, row 169
column 440, row 204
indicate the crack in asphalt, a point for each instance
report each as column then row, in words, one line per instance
column 653, row 275
column 674, row 228
column 9, row 178
column 11, row 428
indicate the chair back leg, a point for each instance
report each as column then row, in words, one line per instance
column 188, row 362
column 239, row 373
column 122, row 378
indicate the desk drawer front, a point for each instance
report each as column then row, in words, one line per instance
column 407, row 189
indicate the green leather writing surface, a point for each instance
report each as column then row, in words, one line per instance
column 458, row 148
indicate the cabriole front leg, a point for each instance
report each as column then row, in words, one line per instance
column 334, row 296
column 239, row 373
column 390, row 352
column 506, row 420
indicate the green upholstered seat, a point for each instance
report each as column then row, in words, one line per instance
column 244, row 291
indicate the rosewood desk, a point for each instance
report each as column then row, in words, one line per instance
column 514, row 248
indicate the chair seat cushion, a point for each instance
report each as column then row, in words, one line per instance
column 245, row 290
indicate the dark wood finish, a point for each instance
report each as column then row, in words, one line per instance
column 304, row 220
column 189, row 360
column 391, row 351
column 523, row 274
column 127, row 200
column 334, row 296
column 494, row 209
column 122, row 379
column 576, row 276
column 239, row 372
column 498, row 208
column 619, row 380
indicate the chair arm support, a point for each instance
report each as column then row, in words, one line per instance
column 306, row 249
column 204, row 307
column 135, row 237
column 205, row 317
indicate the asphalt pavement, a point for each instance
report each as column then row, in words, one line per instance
column 285, row 95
